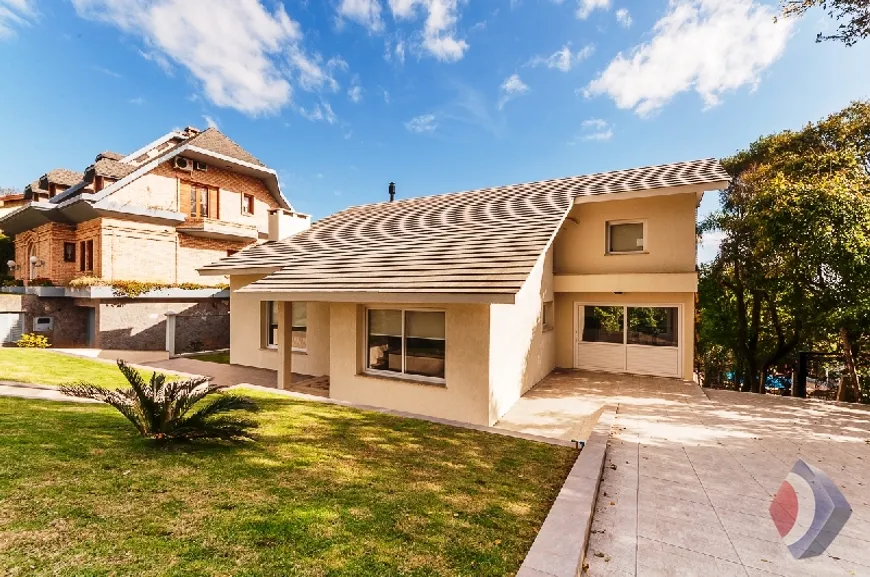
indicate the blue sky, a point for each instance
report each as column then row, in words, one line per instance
column 343, row 96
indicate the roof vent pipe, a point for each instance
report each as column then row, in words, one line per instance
column 392, row 191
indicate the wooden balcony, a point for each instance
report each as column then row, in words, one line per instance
column 218, row 229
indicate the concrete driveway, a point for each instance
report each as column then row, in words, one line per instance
column 690, row 474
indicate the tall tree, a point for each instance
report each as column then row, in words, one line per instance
column 853, row 16
column 796, row 252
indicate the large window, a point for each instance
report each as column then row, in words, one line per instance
column 650, row 326
column 404, row 342
column 653, row 326
column 603, row 324
column 270, row 324
column 299, row 327
column 625, row 237
column 198, row 201
column 86, row 256
column 299, row 336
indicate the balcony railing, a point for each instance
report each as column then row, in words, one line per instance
column 219, row 229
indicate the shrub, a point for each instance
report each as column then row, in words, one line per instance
column 9, row 281
column 33, row 341
column 86, row 281
column 159, row 410
column 41, row 281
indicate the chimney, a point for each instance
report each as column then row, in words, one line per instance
column 392, row 190
column 286, row 223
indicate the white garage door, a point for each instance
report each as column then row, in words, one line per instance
column 10, row 327
column 641, row 339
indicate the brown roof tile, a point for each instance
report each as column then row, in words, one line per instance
column 64, row 176
column 110, row 155
column 215, row 141
column 480, row 241
column 112, row 168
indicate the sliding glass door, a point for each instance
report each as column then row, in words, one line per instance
column 643, row 339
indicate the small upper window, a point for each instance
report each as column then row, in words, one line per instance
column 625, row 237
column 69, row 252
column 247, row 203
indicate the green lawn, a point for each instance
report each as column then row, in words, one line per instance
column 48, row 368
column 326, row 491
column 222, row 357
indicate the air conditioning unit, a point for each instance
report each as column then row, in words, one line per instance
column 200, row 165
column 182, row 163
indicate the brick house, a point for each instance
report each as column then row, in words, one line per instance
column 156, row 215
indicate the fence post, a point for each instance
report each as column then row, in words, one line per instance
column 799, row 388
column 170, row 333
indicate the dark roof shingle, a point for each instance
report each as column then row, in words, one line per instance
column 214, row 140
column 482, row 241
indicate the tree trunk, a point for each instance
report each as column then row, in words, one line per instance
column 849, row 387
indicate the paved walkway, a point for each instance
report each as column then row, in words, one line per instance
column 27, row 391
column 689, row 477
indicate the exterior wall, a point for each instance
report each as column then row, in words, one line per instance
column 246, row 334
column 138, row 251
column 522, row 352
column 231, row 186
column 48, row 241
column 195, row 252
column 465, row 397
column 141, row 325
column 565, row 335
column 581, row 245
column 69, row 321
column 153, row 190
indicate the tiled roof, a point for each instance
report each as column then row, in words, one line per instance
column 110, row 155
column 215, row 141
column 112, row 168
column 482, row 241
column 64, row 176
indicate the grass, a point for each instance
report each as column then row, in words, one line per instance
column 325, row 491
column 43, row 367
column 221, row 357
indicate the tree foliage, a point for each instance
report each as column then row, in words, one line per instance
column 796, row 249
column 853, row 16
column 161, row 410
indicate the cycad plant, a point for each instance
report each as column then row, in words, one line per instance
column 159, row 409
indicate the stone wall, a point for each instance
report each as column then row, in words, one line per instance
column 70, row 322
column 141, row 325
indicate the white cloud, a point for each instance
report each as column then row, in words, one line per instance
column 587, row 7
column 365, row 12
column 386, row 95
column 15, row 14
column 231, row 47
column 422, row 123
column 320, row 112
column 311, row 74
column 355, row 93
column 593, row 129
column 512, row 87
column 210, row 122
column 105, row 71
column 563, row 59
column 138, row 101
column 623, row 16
column 709, row 46
column 439, row 30
column 158, row 59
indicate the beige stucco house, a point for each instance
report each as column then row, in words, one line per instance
column 455, row 305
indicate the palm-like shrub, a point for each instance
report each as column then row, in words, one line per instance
column 161, row 410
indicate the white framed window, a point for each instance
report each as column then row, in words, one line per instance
column 548, row 312
column 299, row 328
column 626, row 237
column 247, row 204
column 406, row 344
column 269, row 322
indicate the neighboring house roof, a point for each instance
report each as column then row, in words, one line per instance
column 482, row 242
column 79, row 202
column 110, row 168
column 214, row 140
